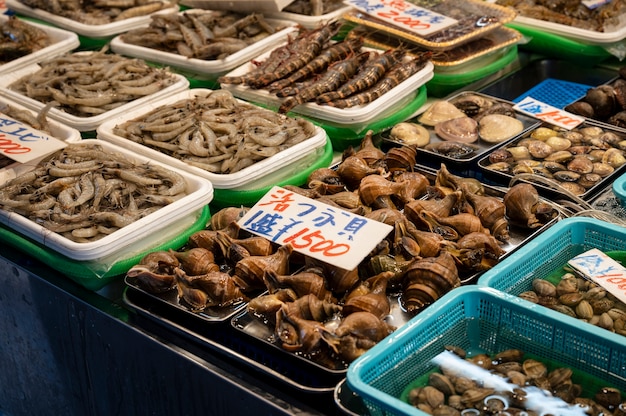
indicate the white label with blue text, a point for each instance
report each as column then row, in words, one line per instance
column 313, row 228
column 549, row 114
column 23, row 143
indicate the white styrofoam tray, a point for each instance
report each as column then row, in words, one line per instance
column 310, row 22
column 238, row 5
column 61, row 41
column 58, row 131
column 215, row 67
column 199, row 193
column 237, row 180
column 81, row 123
column 91, row 31
column 339, row 116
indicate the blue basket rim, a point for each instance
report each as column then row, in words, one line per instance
column 619, row 188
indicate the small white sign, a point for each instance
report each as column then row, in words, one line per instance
column 23, row 143
column 596, row 266
column 319, row 230
column 549, row 114
column 405, row 15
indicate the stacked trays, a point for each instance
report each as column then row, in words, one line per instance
column 482, row 320
column 460, row 58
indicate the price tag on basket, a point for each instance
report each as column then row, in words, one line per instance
column 548, row 113
column 596, row 266
column 404, row 15
column 23, row 143
column 319, row 230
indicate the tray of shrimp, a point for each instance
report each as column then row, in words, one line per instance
column 462, row 128
column 213, row 42
column 92, row 200
column 575, row 163
column 101, row 85
column 26, row 42
column 19, row 118
column 341, row 82
column 93, row 20
column 466, row 21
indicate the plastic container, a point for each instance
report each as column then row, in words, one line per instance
column 559, row 47
column 82, row 124
column 483, row 320
column 200, row 69
column 104, row 31
column 310, row 22
column 96, row 274
column 447, row 81
column 235, row 180
column 114, row 245
column 619, row 189
column 295, row 174
column 551, row 250
column 61, row 41
column 555, row 92
column 352, row 117
column 58, row 130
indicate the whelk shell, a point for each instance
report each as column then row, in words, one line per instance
column 496, row 128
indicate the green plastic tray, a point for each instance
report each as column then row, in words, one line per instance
column 85, row 273
column 559, row 47
column 231, row 198
column 443, row 84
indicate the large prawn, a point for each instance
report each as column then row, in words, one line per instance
column 367, row 77
column 333, row 53
column 397, row 74
column 314, row 42
column 337, row 74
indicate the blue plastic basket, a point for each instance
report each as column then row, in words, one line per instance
column 550, row 251
column 555, row 92
column 481, row 319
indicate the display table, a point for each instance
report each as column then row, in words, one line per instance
column 67, row 350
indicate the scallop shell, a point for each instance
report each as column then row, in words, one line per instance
column 440, row 111
column 462, row 129
column 496, row 128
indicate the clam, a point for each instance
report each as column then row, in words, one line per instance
column 461, row 129
column 519, row 152
column 558, row 143
column 543, row 133
column 455, row 150
column 410, row 134
column 539, row 149
column 496, row 128
column 614, row 157
column 440, row 111
column 472, row 104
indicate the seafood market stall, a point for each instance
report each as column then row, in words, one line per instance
column 196, row 233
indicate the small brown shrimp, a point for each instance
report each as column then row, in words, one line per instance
column 397, row 74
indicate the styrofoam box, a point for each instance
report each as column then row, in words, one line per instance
column 237, row 180
column 199, row 193
column 213, row 67
column 92, row 31
column 81, row 123
column 61, row 41
column 310, row 22
column 58, row 131
column 339, row 116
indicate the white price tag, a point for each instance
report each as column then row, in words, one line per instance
column 318, row 230
column 23, row 143
column 549, row 114
column 404, row 15
column 596, row 266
